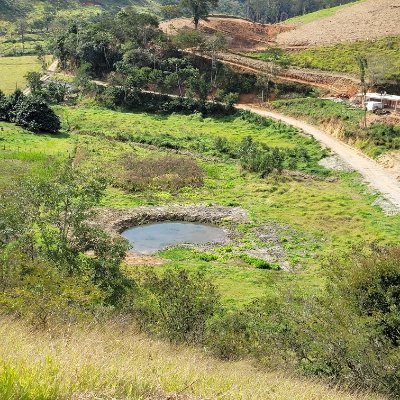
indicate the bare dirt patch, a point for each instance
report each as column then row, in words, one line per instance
column 135, row 259
column 242, row 34
column 370, row 19
column 391, row 161
column 335, row 163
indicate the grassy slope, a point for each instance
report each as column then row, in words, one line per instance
column 341, row 57
column 324, row 13
column 112, row 361
column 316, row 215
column 383, row 54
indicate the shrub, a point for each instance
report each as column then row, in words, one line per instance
column 258, row 262
column 38, row 291
column 385, row 135
column 36, row 116
column 163, row 173
column 176, row 305
column 349, row 333
column 4, row 107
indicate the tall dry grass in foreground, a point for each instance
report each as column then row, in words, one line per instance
column 115, row 362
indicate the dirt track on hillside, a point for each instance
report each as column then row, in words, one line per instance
column 370, row 19
column 334, row 83
column 376, row 176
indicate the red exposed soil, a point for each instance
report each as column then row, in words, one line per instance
column 242, row 35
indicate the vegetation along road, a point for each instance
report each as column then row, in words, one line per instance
column 374, row 174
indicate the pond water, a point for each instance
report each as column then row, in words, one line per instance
column 150, row 238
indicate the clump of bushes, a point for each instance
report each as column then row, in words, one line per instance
column 259, row 263
column 161, row 173
column 137, row 100
column 384, row 135
column 349, row 333
column 265, row 160
column 30, row 112
column 176, row 305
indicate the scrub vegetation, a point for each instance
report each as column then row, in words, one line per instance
column 301, row 302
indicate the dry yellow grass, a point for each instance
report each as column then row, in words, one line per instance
column 115, row 362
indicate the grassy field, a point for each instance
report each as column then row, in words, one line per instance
column 324, row 13
column 13, row 70
column 341, row 120
column 311, row 215
column 383, row 55
column 113, row 361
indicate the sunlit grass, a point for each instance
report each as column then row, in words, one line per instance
column 113, row 361
column 13, row 71
column 317, row 15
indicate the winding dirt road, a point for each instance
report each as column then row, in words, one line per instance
column 375, row 175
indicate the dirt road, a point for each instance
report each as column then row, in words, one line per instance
column 375, row 175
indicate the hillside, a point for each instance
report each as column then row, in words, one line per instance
column 115, row 362
column 368, row 19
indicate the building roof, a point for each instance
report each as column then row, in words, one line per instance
column 390, row 97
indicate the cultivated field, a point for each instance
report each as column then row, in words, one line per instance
column 368, row 19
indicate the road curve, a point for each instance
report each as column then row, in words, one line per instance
column 374, row 174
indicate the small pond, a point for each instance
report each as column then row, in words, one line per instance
column 150, row 238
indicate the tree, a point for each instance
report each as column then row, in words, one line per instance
column 36, row 116
column 213, row 45
column 199, row 9
column 362, row 63
column 48, row 218
column 4, row 106
column 264, row 81
column 35, row 83
column 22, row 27
column 188, row 38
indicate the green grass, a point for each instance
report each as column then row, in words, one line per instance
column 318, row 215
column 24, row 153
column 313, row 216
column 13, row 71
column 383, row 56
column 317, row 15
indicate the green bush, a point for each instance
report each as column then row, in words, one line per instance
column 258, row 262
column 36, row 116
column 385, row 135
column 176, row 305
column 349, row 333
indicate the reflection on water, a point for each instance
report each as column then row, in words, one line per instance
column 148, row 239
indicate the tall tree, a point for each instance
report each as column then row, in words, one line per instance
column 363, row 67
column 199, row 9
